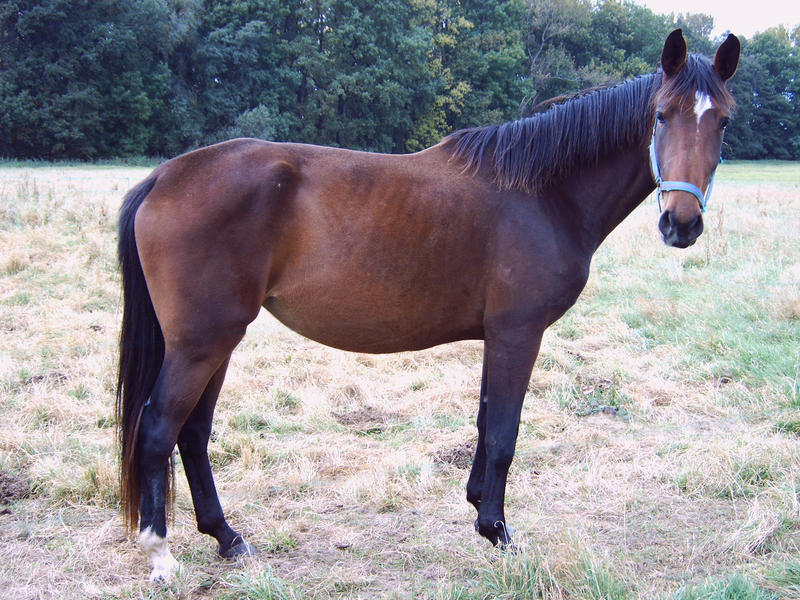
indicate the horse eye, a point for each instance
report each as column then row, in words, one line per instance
column 660, row 117
column 724, row 122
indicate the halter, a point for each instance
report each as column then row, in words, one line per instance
column 682, row 186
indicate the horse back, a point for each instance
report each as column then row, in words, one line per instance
column 360, row 251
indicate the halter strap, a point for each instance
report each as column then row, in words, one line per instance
column 681, row 186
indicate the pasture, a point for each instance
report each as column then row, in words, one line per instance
column 658, row 456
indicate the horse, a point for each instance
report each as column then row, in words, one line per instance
column 487, row 235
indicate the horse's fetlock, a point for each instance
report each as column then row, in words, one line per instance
column 211, row 526
column 488, row 529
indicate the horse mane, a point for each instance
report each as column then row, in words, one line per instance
column 531, row 153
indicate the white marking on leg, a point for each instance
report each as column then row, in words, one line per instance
column 702, row 103
column 156, row 547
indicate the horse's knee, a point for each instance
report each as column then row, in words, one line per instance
column 155, row 443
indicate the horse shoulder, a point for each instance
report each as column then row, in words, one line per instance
column 538, row 267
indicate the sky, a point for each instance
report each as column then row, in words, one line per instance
column 742, row 17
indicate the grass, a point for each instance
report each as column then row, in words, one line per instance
column 736, row 587
column 258, row 585
column 762, row 172
column 657, row 458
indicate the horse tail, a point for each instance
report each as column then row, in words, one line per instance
column 141, row 351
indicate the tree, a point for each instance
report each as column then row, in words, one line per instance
column 494, row 62
column 102, row 78
column 575, row 44
column 82, row 79
column 557, row 30
column 766, row 89
column 240, row 63
column 364, row 76
column 627, row 38
column 449, row 30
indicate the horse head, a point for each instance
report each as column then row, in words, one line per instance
column 692, row 109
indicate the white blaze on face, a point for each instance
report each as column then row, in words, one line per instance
column 702, row 103
column 164, row 565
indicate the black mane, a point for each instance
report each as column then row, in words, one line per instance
column 531, row 153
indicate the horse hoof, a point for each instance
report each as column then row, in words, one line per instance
column 164, row 572
column 156, row 548
column 237, row 549
column 499, row 534
column 508, row 547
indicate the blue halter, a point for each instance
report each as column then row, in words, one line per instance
column 682, row 186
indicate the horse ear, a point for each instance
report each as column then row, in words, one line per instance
column 727, row 57
column 673, row 57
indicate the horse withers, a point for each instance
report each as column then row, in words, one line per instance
column 487, row 235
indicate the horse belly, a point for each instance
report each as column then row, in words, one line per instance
column 366, row 315
column 380, row 253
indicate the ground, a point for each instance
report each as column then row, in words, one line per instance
column 657, row 456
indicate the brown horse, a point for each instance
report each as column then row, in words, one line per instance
column 487, row 235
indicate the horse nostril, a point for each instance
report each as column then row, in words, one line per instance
column 677, row 233
column 665, row 222
column 696, row 227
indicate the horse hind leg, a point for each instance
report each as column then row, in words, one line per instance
column 183, row 377
column 193, row 446
column 476, row 474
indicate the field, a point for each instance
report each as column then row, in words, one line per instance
column 658, row 456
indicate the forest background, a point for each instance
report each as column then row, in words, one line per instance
column 98, row 79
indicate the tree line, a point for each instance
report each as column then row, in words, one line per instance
column 89, row 79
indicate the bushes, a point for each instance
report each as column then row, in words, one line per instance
column 92, row 80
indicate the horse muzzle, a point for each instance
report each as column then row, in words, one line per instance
column 677, row 234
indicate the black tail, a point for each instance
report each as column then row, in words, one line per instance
column 141, row 351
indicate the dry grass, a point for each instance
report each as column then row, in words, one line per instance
column 658, row 450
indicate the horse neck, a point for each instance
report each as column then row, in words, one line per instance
column 599, row 197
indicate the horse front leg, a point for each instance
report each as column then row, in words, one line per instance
column 509, row 358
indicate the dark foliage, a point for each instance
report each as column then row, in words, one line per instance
column 122, row 78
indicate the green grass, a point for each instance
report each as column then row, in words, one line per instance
column 774, row 172
column 786, row 577
column 737, row 587
column 109, row 163
column 718, row 306
column 516, row 576
column 258, row 585
column 521, row 575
